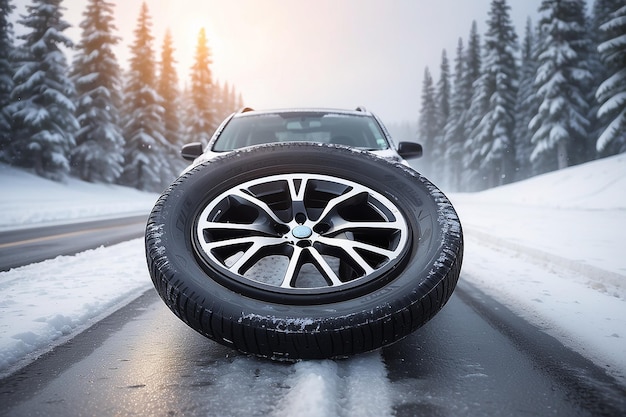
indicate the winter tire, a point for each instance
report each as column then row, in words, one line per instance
column 302, row 251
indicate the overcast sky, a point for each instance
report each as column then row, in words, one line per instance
column 324, row 53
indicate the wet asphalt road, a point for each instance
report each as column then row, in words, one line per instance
column 35, row 244
column 474, row 358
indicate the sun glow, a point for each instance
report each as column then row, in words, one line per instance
column 191, row 31
column 183, row 19
column 285, row 53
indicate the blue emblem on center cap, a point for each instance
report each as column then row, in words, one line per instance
column 301, row 232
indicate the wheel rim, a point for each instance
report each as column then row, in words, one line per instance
column 301, row 233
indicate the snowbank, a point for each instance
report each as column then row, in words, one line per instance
column 574, row 218
column 550, row 248
column 29, row 200
column 46, row 303
column 596, row 185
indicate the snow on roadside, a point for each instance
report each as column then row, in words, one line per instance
column 578, row 213
column 560, row 301
column 29, row 200
column 44, row 304
column 596, row 185
column 550, row 248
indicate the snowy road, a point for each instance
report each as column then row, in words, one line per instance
column 474, row 358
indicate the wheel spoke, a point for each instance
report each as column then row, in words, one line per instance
column 334, row 202
column 256, row 244
column 371, row 248
column 261, row 228
column 350, row 246
column 296, row 262
column 258, row 203
column 367, row 269
column 340, row 225
column 247, row 255
column 327, row 271
column 292, row 268
column 257, row 241
column 297, row 194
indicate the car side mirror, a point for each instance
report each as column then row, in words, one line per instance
column 191, row 151
column 409, row 150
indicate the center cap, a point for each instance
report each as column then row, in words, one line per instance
column 302, row 232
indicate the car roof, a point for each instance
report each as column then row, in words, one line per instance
column 247, row 111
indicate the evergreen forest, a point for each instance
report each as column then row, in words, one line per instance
column 91, row 120
column 509, row 107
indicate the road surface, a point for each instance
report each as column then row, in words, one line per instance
column 35, row 244
column 474, row 358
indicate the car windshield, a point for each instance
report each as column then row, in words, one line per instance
column 358, row 131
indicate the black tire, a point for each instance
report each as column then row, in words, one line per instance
column 362, row 287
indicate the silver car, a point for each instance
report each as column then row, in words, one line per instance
column 358, row 129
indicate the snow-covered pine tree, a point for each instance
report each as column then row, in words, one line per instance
column 236, row 100
column 6, row 72
column 170, row 93
column 219, row 100
column 443, row 91
column 473, row 67
column 612, row 92
column 186, row 111
column 146, row 166
column 526, row 104
column 231, row 102
column 492, row 143
column 474, row 105
column 240, row 102
column 227, row 102
column 42, row 98
column 453, row 130
column 202, row 119
column 223, row 102
column 600, row 11
column 98, row 155
column 442, row 106
column 427, row 122
column 560, row 127
column 600, row 14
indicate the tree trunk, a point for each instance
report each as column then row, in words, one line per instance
column 561, row 155
column 38, row 163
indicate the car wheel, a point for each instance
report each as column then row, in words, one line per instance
column 300, row 251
